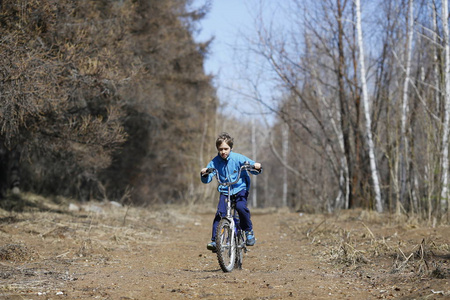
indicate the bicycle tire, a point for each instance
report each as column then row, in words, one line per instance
column 226, row 246
column 240, row 250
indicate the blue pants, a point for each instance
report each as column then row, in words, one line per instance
column 241, row 207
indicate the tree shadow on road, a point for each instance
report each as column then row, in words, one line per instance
column 22, row 203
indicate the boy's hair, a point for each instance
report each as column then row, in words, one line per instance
column 224, row 137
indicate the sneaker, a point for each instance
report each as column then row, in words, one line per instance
column 250, row 238
column 212, row 246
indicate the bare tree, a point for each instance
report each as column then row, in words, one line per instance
column 446, row 92
column 285, row 152
column 392, row 156
column 404, row 157
column 373, row 165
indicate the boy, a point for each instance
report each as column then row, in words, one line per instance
column 228, row 163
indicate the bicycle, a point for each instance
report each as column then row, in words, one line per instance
column 230, row 238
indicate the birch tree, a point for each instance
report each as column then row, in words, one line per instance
column 373, row 166
column 405, row 109
column 255, row 179
column 445, row 132
column 285, row 150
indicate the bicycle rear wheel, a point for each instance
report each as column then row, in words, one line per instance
column 226, row 245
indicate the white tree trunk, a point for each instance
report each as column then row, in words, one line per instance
column 405, row 109
column 285, row 136
column 365, row 98
column 255, row 180
column 445, row 132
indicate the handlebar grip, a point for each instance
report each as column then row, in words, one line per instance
column 252, row 168
column 209, row 170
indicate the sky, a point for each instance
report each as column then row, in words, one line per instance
column 226, row 20
column 229, row 22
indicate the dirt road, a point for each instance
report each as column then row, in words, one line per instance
column 108, row 252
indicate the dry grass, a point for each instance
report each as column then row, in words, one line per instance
column 404, row 247
column 16, row 253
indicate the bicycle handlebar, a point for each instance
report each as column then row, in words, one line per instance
column 246, row 166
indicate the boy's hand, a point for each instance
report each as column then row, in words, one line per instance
column 203, row 171
column 257, row 166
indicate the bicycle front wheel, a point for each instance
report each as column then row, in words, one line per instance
column 226, row 245
column 240, row 246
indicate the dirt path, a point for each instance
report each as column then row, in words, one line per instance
column 143, row 254
column 177, row 265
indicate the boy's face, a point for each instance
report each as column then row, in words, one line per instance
column 224, row 150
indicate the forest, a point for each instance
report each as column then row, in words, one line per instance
column 98, row 99
column 109, row 100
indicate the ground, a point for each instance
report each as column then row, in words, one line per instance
column 106, row 251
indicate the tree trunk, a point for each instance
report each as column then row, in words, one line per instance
column 405, row 108
column 433, row 201
column 285, row 135
column 445, row 132
column 254, row 190
column 373, row 166
column 344, row 114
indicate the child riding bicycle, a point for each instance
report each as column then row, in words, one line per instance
column 227, row 164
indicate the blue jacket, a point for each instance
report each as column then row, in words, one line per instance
column 228, row 170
